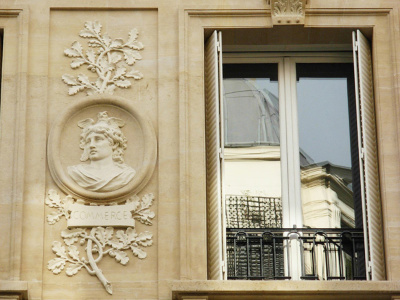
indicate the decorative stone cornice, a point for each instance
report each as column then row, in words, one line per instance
column 287, row 12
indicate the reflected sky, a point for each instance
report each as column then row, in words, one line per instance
column 324, row 120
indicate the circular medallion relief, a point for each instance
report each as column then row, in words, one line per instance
column 102, row 149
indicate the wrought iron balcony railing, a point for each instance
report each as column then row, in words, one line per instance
column 321, row 254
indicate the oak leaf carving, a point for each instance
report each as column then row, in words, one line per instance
column 99, row 241
column 109, row 63
column 73, row 269
column 56, row 265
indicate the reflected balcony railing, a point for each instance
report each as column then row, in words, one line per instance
column 278, row 253
column 253, row 212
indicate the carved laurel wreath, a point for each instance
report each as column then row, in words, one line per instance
column 98, row 241
column 109, row 59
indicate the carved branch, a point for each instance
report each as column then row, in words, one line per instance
column 93, row 263
column 100, row 240
column 105, row 63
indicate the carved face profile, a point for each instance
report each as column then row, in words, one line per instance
column 103, row 145
column 99, row 146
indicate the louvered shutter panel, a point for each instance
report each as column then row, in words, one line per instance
column 368, row 158
column 213, row 87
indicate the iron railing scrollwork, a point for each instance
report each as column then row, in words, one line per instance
column 326, row 254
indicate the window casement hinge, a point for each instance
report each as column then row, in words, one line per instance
column 355, row 45
column 221, row 153
column 223, row 268
column 369, row 267
column 219, row 46
column 362, row 153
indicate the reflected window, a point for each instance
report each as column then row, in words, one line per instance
column 252, row 166
column 251, row 141
column 319, row 108
column 251, row 107
column 292, row 173
column 327, row 131
column 327, row 127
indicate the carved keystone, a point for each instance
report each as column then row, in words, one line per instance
column 287, row 12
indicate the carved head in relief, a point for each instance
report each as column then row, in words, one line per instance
column 103, row 145
column 107, row 127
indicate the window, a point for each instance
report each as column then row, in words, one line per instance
column 292, row 180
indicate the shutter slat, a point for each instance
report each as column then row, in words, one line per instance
column 214, row 223
column 369, row 165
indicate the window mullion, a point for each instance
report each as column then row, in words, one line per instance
column 292, row 146
column 284, row 96
column 291, row 168
column 284, row 101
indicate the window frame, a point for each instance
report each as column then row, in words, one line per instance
column 293, row 191
column 289, row 131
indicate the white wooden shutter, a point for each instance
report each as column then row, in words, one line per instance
column 368, row 158
column 214, row 142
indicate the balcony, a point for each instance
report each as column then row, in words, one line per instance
column 278, row 253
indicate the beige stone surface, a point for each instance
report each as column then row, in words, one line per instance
column 15, row 290
column 252, row 290
column 143, row 94
column 171, row 94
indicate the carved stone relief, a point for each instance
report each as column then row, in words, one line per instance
column 109, row 60
column 103, row 144
column 97, row 241
column 101, row 153
column 106, row 160
column 101, row 189
column 287, row 12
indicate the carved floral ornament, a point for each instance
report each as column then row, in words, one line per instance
column 287, row 12
column 102, row 207
column 109, row 60
column 97, row 241
column 102, row 186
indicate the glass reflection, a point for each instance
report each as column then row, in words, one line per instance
column 252, row 169
column 326, row 134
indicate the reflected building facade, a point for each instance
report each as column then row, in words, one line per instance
column 252, row 182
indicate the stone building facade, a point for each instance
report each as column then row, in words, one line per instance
column 112, row 182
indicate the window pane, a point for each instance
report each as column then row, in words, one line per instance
column 251, row 112
column 252, row 169
column 328, row 145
